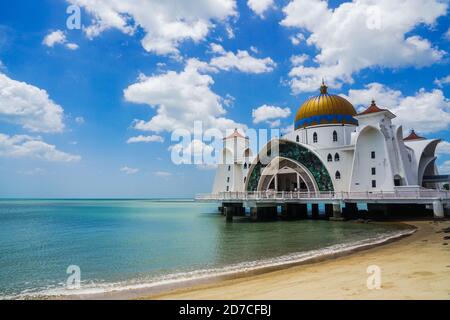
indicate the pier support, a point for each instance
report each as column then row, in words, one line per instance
column 228, row 213
column 350, row 210
column 438, row 209
column 337, row 212
column 314, row 210
column 296, row 211
column 233, row 209
column 266, row 213
column 328, row 210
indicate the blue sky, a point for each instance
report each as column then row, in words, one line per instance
column 71, row 99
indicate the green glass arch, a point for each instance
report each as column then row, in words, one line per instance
column 300, row 154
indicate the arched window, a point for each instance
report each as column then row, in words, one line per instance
column 335, row 136
column 297, row 139
column 245, row 165
column 336, row 157
column 338, row 175
column 330, row 158
column 315, row 137
column 228, row 179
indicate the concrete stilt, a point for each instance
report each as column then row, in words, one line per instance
column 229, row 212
column 337, row 212
column 296, row 211
column 315, row 210
column 438, row 209
column 328, row 210
column 264, row 213
column 350, row 210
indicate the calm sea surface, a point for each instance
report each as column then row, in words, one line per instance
column 122, row 244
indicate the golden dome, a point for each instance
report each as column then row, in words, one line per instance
column 325, row 109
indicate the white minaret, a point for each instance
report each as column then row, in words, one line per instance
column 234, row 163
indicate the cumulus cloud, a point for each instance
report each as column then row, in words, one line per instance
column 145, row 139
column 129, row 170
column 361, row 34
column 29, row 106
column 23, row 146
column 55, row 37
column 445, row 167
column 426, row 111
column 443, row 147
column 266, row 112
column 58, row 37
column 180, row 99
column 165, row 23
column 297, row 60
column 241, row 61
column 442, row 82
column 260, row 6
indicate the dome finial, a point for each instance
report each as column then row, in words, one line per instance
column 323, row 88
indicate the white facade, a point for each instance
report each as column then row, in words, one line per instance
column 369, row 156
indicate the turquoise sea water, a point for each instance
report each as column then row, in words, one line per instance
column 123, row 244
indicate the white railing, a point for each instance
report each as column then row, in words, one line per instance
column 421, row 194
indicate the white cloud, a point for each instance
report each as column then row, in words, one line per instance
column 165, row 23
column 241, row 61
column 180, row 99
column 447, row 34
column 297, row 60
column 146, row 139
column 129, row 170
column 266, row 112
column 287, row 129
column 443, row 81
column 425, row 111
column 443, row 147
column 445, row 167
column 163, row 174
column 58, row 37
column 296, row 39
column 260, row 6
column 80, row 120
column 29, row 106
column 21, row 146
column 195, row 148
column 361, row 34
column 55, row 37
column 72, row 46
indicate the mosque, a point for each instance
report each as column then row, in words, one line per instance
column 333, row 149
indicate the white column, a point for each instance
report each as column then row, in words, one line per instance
column 438, row 209
column 276, row 182
column 337, row 211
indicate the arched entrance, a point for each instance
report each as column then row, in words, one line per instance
column 283, row 174
column 295, row 159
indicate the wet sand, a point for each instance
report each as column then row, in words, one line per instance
column 414, row 267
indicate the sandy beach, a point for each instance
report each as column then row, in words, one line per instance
column 414, row 267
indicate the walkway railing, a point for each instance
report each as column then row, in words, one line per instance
column 422, row 194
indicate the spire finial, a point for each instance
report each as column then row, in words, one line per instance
column 373, row 102
column 323, row 88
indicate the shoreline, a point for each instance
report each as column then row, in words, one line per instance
column 415, row 261
column 152, row 291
